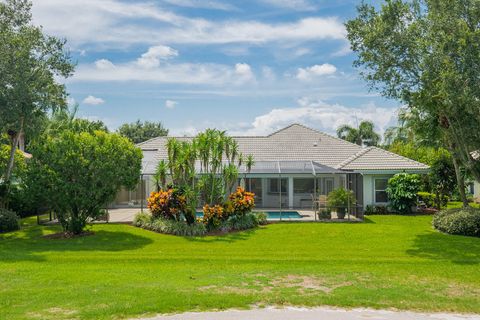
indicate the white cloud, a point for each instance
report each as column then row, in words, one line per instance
column 268, row 74
column 104, row 64
column 211, row 4
column 148, row 68
column 171, row 104
column 300, row 5
column 318, row 114
column 302, row 51
column 91, row 100
column 113, row 23
column 152, row 57
column 315, row 71
column 244, row 72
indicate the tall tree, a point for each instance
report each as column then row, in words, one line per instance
column 30, row 63
column 363, row 135
column 142, row 131
column 426, row 53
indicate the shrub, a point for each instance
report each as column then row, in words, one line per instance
column 464, row 221
column 242, row 201
column 142, row 220
column 261, row 218
column 402, row 191
column 242, row 222
column 380, row 210
column 9, row 221
column 168, row 226
column 169, row 204
column 213, row 216
column 325, row 214
column 339, row 200
column 430, row 199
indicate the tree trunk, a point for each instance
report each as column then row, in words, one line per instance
column 460, row 182
column 11, row 160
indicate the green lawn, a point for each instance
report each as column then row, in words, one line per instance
column 122, row 271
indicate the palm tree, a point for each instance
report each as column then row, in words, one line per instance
column 364, row 134
column 160, row 176
column 249, row 163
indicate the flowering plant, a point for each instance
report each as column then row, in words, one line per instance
column 168, row 204
column 242, row 201
column 213, row 215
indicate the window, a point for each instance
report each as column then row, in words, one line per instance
column 380, row 190
column 303, row 186
column 273, row 185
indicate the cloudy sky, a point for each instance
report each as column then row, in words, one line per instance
column 246, row 66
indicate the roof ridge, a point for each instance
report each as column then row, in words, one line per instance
column 354, row 157
column 315, row 130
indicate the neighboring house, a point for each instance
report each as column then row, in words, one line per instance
column 294, row 164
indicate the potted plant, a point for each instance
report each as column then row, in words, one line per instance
column 339, row 200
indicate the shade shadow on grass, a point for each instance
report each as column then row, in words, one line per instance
column 439, row 246
column 28, row 244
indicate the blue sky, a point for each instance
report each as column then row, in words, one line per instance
column 249, row 67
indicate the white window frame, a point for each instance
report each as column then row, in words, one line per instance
column 375, row 190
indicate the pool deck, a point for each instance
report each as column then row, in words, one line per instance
column 125, row 215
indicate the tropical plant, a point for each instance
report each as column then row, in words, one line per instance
column 77, row 174
column 363, row 135
column 213, row 216
column 243, row 222
column 160, row 176
column 402, row 191
column 30, row 64
column 142, row 131
column 168, row 204
column 242, row 201
column 339, row 200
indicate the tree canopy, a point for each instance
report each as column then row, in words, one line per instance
column 426, row 53
column 30, row 63
column 142, row 131
column 363, row 135
column 77, row 174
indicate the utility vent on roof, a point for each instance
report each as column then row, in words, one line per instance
column 315, row 144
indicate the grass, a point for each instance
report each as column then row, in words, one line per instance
column 123, row 271
column 459, row 204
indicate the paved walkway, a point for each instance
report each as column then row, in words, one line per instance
column 313, row 314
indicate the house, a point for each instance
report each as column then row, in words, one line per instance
column 294, row 164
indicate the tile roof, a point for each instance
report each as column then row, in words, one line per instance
column 299, row 143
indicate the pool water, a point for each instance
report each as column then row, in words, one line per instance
column 272, row 214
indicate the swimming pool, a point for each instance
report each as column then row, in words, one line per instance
column 274, row 215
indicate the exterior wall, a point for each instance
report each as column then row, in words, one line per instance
column 369, row 188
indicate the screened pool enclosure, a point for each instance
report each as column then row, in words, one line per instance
column 278, row 185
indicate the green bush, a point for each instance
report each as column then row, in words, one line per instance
column 142, row 220
column 463, row 221
column 9, row 221
column 161, row 225
column 325, row 214
column 261, row 218
column 370, row 209
column 430, row 199
column 402, row 192
column 339, row 199
column 241, row 222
